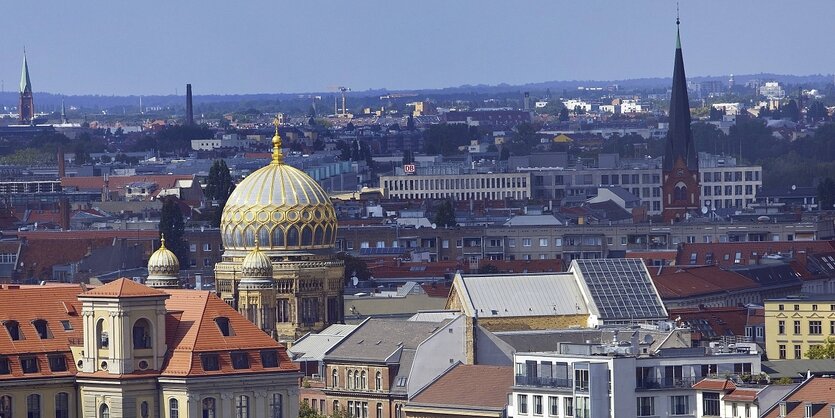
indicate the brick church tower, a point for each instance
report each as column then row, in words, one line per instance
column 680, row 170
column 26, row 110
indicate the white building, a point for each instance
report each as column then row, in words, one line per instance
column 226, row 141
column 772, row 90
column 492, row 186
column 572, row 104
column 620, row 379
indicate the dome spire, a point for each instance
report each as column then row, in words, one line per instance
column 278, row 157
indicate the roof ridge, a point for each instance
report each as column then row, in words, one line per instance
column 205, row 296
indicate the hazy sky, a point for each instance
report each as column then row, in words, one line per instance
column 250, row 46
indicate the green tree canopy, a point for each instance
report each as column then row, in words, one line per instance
column 822, row 351
column 172, row 227
column 445, row 215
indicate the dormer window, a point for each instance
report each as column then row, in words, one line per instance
column 210, row 361
column 269, row 358
column 240, row 360
column 29, row 364
column 5, row 368
column 42, row 329
column 13, row 327
column 224, row 326
column 57, row 363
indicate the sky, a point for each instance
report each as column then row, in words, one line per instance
column 145, row 47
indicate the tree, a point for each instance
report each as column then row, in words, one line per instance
column 822, row 351
column 817, row 111
column 354, row 267
column 219, row 186
column 564, row 114
column 445, row 215
column 791, row 111
column 488, row 269
column 826, row 194
column 504, row 155
column 716, row 114
column 172, row 227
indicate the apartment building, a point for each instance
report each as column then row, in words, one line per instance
column 475, row 186
column 795, row 324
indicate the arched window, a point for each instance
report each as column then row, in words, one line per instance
column 209, row 408
column 397, row 411
column 335, row 407
column 33, row 406
column 242, row 407
column 104, row 411
column 379, row 410
column 276, row 406
column 307, row 236
column 142, row 334
column 62, row 405
column 334, row 378
column 292, row 236
column 102, row 339
column 278, row 237
column 357, row 380
column 173, row 408
column 144, row 412
column 378, row 381
column 5, row 406
column 680, row 192
column 363, row 381
column 350, row 379
column 318, row 239
column 327, row 234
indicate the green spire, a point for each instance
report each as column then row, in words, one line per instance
column 25, row 83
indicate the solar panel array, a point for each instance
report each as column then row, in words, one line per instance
column 621, row 289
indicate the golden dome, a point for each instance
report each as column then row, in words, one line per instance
column 256, row 265
column 280, row 206
column 163, row 262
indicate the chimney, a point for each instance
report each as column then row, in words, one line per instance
column 189, row 108
column 64, row 210
column 62, row 169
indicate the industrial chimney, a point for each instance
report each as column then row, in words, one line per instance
column 189, row 107
column 62, row 169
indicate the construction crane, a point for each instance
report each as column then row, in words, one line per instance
column 341, row 89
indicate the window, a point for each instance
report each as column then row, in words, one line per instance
column 224, row 326
column 815, row 327
column 269, row 358
column 334, row 378
column 142, row 334
column 543, row 242
column 240, row 360
column 378, row 380
column 29, row 364
column 710, row 403
column 796, row 327
column 363, row 380
column 41, row 329
column 379, row 410
column 553, row 405
column 797, row 353
column 62, row 405
column 173, row 408
column 282, row 310
column 796, row 308
column 781, row 327
column 782, row 350
column 210, row 361
column 33, row 406
column 57, row 363
column 104, row 411
column 192, row 248
column 209, row 408
column 276, row 407
column 581, row 380
column 13, row 327
column 522, row 404
column 5, row 406
column 242, row 406
column 680, row 405
column 4, row 366
column 781, row 307
column 646, row 406
column 350, row 379
column 537, row 404
column 66, row 324
column 526, row 242
column 207, row 247
column 145, row 411
column 569, row 406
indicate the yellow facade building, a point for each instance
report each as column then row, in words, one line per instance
column 287, row 216
column 795, row 324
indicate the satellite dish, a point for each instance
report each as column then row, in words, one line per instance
column 794, row 187
column 434, row 226
column 355, row 280
column 704, row 210
column 648, row 339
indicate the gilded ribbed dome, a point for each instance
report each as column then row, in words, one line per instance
column 281, row 206
column 163, row 262
column 256, row 265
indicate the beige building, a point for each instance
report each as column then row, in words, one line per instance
column 795, row 324
column 295, row 284
column 481, row 186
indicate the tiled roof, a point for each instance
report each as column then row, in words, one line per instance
column 817, row 391
column 724, row 253
column 742, row 395
column 457, row 387
column 716, row 322
column 715, row 384
column 114, row 183
column 682, row 282
column 123, row 288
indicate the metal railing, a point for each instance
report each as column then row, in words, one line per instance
column 547, row 382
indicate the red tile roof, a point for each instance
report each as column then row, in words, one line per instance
column 682, row 282
column 819, row 391
column 724, row 321
column 715, row 384
column 742, row 395
column 472, row 386
column 114, row 183
column 724, row 253
column 123, row 288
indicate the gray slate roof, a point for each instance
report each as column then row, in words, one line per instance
column 382, row 340
column 312, row 347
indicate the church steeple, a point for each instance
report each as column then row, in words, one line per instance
column 26, row 107
column 679, row 138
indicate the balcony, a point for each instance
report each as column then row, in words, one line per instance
column 543, row 382
column 672, row 383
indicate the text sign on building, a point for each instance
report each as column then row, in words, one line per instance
column 409, row 168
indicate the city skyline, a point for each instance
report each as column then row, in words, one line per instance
column 283, row 48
